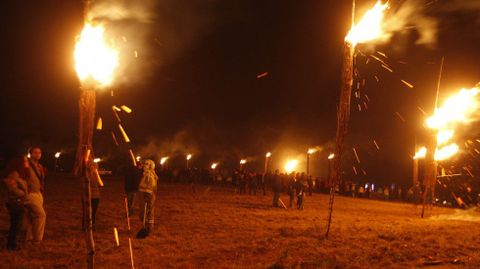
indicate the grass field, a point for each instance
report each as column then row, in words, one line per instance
column 214, row 228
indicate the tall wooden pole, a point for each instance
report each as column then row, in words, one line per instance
column 342, row 124
column 430, row 178
column 84, row 160
column 343, row 116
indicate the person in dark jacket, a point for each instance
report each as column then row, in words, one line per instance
column 132, row 180
column 276, row 187
column 17, row 191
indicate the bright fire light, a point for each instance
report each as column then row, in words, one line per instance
column 268, row 155
column 214, row 165
column 444, row 136
column 163, row 160
column 457, row 109
column 57, row 155
column 189, row 156
column 369, row 27
column 291, row 165
column 243, row 161
column 138, row 158
column 331, row 156
column 97, row 160
column 446, row 152
column 94, row 59
column 312, row 150
column 421, row 153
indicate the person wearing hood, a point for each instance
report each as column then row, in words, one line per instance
column 147, row 190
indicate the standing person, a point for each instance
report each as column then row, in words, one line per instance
column 132, row 180
column 17, row 191
column 147, row 189
column 252, row 183
column 276, row 187
column 36, row 216
column 291, row 188
column 310, row 185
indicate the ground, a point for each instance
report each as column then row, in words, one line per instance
column 214, row 228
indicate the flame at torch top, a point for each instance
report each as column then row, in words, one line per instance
column 268, row 155
column 57, row 155
column 214, row 165
column 163, row 160
column 370, row 27
column 331, row 156
column 94, row 59
column 243, row 161
column 189, row 156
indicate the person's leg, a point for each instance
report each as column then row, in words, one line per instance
column 38, row 215
column 150, row 212
column 142, row 200
column 16, row 218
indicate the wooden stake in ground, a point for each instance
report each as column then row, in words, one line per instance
column 343, row 116
column 430, row 178
column 82, row 166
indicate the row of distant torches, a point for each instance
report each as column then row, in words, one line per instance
column 290, row 165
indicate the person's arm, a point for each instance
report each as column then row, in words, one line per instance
column 12, row 186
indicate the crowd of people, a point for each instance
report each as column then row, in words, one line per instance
column 24, row 179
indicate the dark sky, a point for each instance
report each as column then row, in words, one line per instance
column 194, row 85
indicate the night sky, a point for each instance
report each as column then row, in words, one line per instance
column 194, row 85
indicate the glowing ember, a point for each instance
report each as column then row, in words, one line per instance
column 126, row 109
column 312, row 150
column 243, row 161
column 370, row 27
column 331, row 156
column 268, row 155
column 163, row 160
column 57, row 155
column 138, row 158
column 94, row 59
column 97, row 160
column 214, row 165
column 189, row 156
column 99, row 124
column 291, row 165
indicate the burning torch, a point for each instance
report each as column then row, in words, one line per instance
column 189, row 156
column 57, row 156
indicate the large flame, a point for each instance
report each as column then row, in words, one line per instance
column 94, row 58
column 456, row 109
column 370, row 27
column 459, row 108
